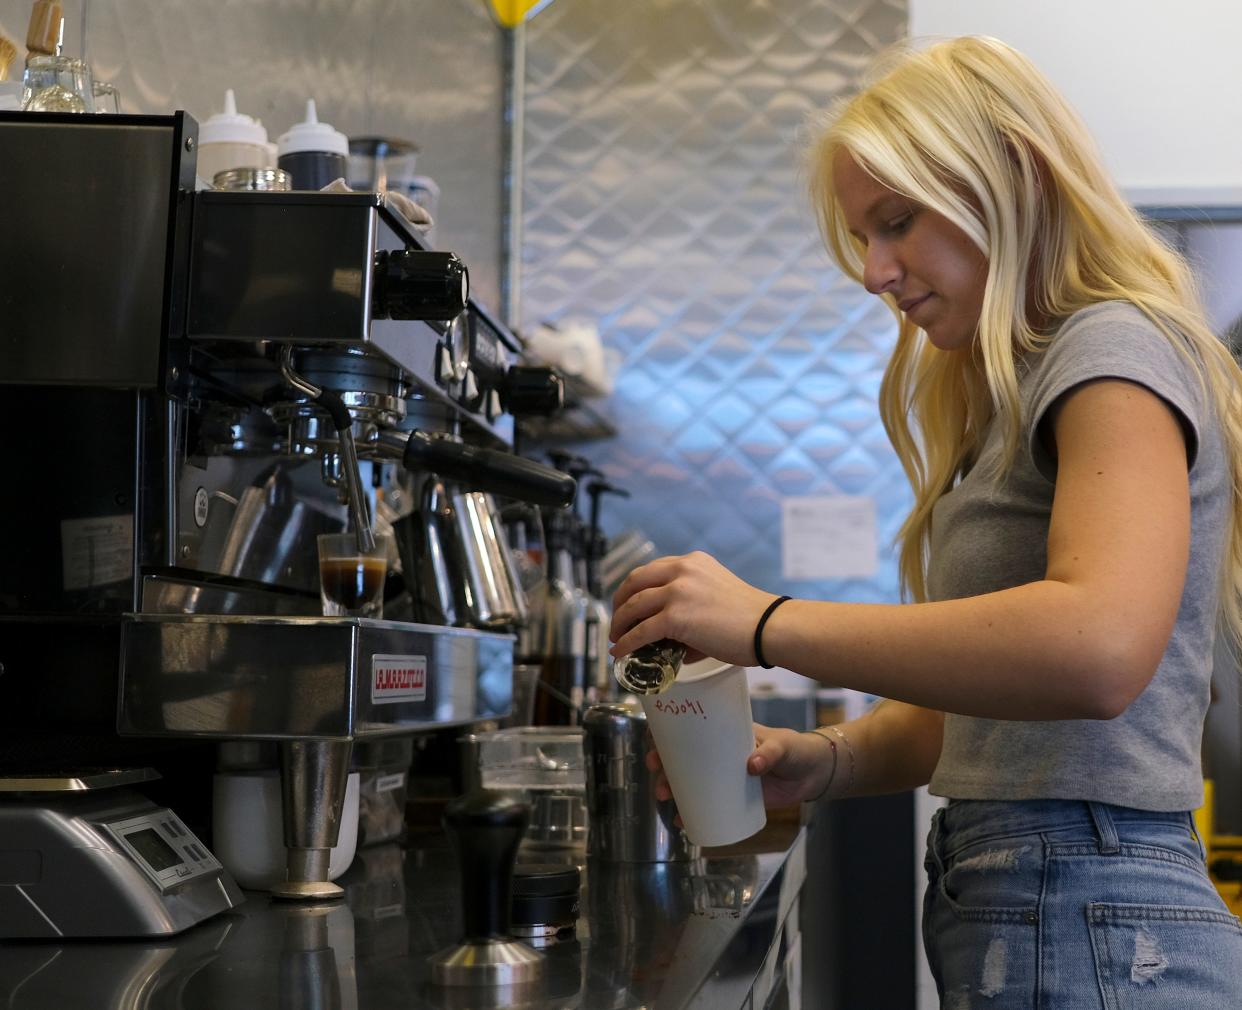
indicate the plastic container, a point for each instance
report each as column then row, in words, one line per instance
column 248, row 835
column 703, row 729
column 382, row 163
column 546, row 767
column 313, row 152
column 532, row 757
column 384, row 776
column 230, row 140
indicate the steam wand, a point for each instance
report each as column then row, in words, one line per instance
column 344, row 425
column 597, row 543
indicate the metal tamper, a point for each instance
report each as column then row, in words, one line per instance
column 486, row 827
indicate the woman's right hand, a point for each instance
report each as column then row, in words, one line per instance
column 795, row 767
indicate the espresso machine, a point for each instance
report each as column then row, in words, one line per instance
column 197, row 384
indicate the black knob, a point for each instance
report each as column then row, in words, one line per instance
column 419, row 284
column 528, row 391
column 485, row 827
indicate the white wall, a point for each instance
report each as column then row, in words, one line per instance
column 1216, row 252
column 1158, row 82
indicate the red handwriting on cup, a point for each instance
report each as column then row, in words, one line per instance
column 681, row 708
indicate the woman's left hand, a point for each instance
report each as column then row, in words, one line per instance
column 795, row 767
column 692, row 599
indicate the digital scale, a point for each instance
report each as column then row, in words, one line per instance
column 82, row 855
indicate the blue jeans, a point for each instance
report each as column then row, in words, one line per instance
column 1068, row 905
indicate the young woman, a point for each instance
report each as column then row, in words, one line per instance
column 1073, row 435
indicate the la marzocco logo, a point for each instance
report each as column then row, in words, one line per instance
column 398, row 678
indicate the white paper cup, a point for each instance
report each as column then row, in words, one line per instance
column 704, row 732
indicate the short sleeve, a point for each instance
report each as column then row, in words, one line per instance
column 1113, row 340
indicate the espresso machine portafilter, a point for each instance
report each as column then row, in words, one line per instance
column 240, row 372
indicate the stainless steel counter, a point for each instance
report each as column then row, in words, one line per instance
column 720, row 932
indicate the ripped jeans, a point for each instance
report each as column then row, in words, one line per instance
column 1068, row 905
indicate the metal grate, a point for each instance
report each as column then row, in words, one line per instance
column 662, row 200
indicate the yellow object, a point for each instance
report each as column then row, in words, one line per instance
column 7, row 51
column 511, row 13
column 47, row 28
column 1228, row 862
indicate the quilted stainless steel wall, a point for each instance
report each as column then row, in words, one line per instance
column 428, row 70
column 661, row 199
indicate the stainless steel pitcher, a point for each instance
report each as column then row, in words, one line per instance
column 456, row 561
column 495, row 595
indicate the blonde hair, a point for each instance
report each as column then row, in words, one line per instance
column 972, row 130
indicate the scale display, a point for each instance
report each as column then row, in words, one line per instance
column 151, row 847
column 163, row 847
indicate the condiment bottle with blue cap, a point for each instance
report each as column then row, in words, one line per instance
column 313, row 153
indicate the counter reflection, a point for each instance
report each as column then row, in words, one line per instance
column 658, row 936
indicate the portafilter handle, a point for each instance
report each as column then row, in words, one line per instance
column 501, row 473
column 359, row 515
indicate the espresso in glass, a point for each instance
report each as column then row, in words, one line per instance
column 351, row 584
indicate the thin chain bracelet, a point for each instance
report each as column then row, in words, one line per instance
column 818, row 731
column 849, row 749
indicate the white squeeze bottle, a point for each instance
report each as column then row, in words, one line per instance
column 230, row 139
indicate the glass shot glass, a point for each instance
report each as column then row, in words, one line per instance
column 351, row 583
column 57, row 84
column 651, row 668
column 107, row 98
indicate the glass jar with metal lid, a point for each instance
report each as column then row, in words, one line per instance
column 275, row 180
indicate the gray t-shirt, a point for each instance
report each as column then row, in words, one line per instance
column 987, row 538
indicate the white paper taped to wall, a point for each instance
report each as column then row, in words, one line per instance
column 828, row 537
column 97, row 551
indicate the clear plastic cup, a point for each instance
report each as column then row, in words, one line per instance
column 703, row 729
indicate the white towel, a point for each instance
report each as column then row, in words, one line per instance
column 396, row 202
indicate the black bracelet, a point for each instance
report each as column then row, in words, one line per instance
column 759, row 630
